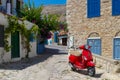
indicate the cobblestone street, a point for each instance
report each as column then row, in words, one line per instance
column 52, row 65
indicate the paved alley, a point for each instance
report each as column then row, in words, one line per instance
column 52, row 65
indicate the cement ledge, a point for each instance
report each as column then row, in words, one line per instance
column 112, row 61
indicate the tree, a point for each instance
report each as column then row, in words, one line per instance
column 30, row 12
column 46, row 23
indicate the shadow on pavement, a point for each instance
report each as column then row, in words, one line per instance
column 24, row 63
column 84, row 72
column 98, row 75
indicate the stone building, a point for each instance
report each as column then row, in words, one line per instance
column 97, row 23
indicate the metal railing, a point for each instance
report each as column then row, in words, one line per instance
column 3, row 9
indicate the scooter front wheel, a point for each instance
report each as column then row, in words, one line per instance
column 72, row 67
column 91, row 71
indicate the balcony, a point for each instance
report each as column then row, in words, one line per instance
column 3, row 9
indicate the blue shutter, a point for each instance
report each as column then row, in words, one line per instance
column 93, row 8
column 95, row 45
column 55, row 37
column 116, row 48
column 90, row 42
column 89, row 9
column 32, row 38
column 115, row 7
column 96, row 8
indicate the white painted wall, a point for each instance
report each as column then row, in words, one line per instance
column 3, row 20
column 33, row 44
column 7, row 55
column 33, row 49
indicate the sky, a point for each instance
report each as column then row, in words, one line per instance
column 47, row 2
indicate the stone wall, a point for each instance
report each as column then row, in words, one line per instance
column 107, row 26
column 107, row 64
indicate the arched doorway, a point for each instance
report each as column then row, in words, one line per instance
column 95, row 42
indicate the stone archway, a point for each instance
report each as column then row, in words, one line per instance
column 117, row 34
column 93, row 34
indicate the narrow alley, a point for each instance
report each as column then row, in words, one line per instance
column 52, row 65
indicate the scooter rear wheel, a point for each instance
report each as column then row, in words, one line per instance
column 91, row 71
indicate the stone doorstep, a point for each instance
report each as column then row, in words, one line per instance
column 110, row 65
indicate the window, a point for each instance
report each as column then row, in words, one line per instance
column 116, row 48
column 94, row 41
column 95, row 44
column 0, row 2
column 1, row 36
column 115, row 7
column 93, row 8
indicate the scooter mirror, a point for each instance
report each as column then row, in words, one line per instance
column 87, row 47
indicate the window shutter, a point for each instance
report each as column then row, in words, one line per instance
column 115, row 7
column 0, row 2
column 96, row 8
column 116, row 48
column 1, row 36
column 93, row 8
column 95, row 45
column 89, row 9
column 32, row 38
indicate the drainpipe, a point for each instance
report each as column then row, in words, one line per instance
column 8, row 7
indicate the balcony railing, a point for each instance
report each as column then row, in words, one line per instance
column 4, row 10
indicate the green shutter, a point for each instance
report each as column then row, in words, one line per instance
column 15, row 49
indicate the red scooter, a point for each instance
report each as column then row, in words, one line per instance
column 84, row 61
